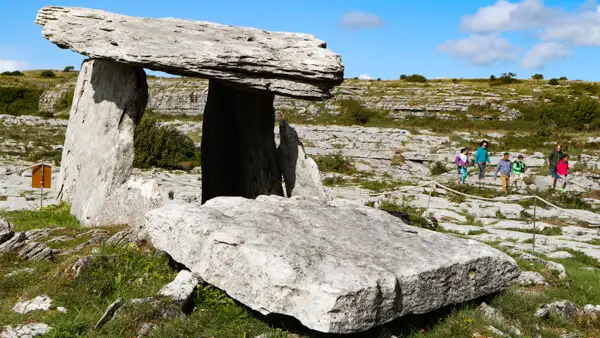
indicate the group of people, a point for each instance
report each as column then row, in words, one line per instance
column 557, row 161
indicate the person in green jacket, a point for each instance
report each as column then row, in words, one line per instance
column 518, row 170
column 482, row 158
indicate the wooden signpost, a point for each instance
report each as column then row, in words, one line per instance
column 41, row 177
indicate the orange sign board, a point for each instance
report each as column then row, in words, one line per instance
column 41, row 176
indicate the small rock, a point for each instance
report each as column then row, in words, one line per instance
column 560, row 255
column 531, row 278
column 553, row 266
column 145, row 330
column 18, row 272
column 109, row 313
column 181, row 288
column 126, row 236
column 498, row 332
column 570, row 335
column 43, row 303
column 4, row 224
column 25, row 331
column 563, row 308
column 61, row 309
column 60, row 239
column 590, row 309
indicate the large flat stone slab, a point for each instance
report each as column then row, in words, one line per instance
column 290, row 64
column 336, row 266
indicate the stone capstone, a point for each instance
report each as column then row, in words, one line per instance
column 300, row 172
column 97, row 159
column 336, row 266
column 290, row 64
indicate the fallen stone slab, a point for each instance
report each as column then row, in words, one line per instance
column 25, row 331
column 336, row 266
column 39, row 303
column 289, row 64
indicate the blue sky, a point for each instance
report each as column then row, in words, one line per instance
column 377, row 38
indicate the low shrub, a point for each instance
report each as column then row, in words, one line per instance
column 439, row 168
column 68, row 69
column 47, row 73
column 416, row 78
column 335, row 163
column 13, row 73
column 163, row 147
column 537, row 77
column 19, row 101
column 553, row 82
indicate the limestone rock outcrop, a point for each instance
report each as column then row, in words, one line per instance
column 290, row 64
column 300, row 172
column 97, row 159
column 336, row 266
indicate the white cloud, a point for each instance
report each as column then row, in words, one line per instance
column 480, row 50
column 543, row 53
column 582, row 29
column 504, row 16
column 360, row 20
column 12, row 65
column 365, row 77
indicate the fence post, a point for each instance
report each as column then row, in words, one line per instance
column 534, row 212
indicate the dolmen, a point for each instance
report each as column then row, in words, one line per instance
column 336, row 266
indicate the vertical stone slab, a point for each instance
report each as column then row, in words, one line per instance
column 238, row 144
column 97, row 158
column 300, row 172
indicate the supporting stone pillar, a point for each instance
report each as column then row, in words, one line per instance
column 238, row 144
column 97, row 158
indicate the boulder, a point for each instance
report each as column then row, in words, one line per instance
column 336, row 266
column 97, row 160
column 531, row 278
column 291, row 64
column 300, row 172
column 39, row 303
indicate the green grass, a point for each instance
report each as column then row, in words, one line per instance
column 37, row 143
column 550, row 231
column 379, row 186
column 336, row 163
column 51, row 216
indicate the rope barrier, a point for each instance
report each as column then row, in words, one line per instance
column 18, row 170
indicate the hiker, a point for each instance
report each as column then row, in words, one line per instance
column 553, row 159
column 505, row 169
column 482, row 158
column 562, row 170
column 518, row 168
column 462, row 161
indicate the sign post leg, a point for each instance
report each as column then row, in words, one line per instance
column 42, row 191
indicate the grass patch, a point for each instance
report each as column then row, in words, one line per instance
column 50, row 216
column 414, row 214
column 336, row 163
column 379, row 186
column 549, row 231
column 438, row 168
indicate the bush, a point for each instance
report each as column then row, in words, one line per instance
column 416, row 78
column 47, row 73
column 403, row 77
column 163, row 147
column 492, row 77
column 65, row 101
column 14, row 73
column 438, row 168
column 504, row 79
column 68, row 69
column 19, row 101
column 553, row 82
column 537, row 77
column 563, row 78
column 335, row 163
column 357, row 113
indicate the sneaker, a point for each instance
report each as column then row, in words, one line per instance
column 564, row 190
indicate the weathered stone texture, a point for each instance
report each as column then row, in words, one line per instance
column 291, row 64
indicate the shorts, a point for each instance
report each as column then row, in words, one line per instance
column 554, row 174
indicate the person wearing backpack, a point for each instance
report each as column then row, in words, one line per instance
column 462, row 161
column 482, row 158
column 518, row 168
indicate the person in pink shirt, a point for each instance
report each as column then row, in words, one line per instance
column 562, row 169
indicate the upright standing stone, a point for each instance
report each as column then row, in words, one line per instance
column 300, row 172
column 238, row 144
column 97, row 158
